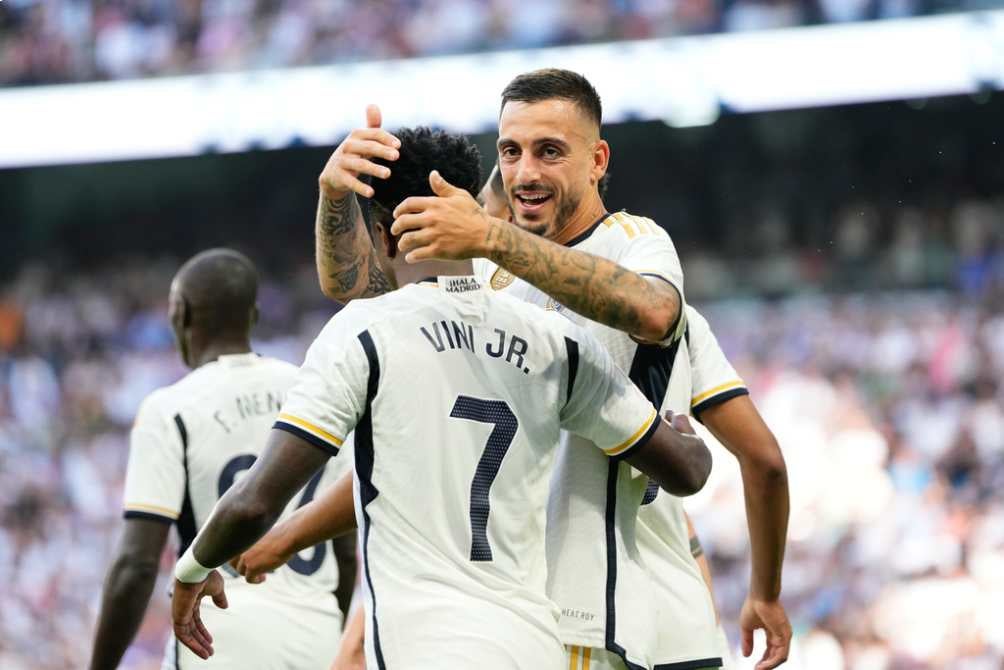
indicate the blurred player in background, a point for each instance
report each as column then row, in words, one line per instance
column 451, row 499
column 190, row 443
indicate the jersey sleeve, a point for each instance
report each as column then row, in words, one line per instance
column 714, row 379
column 483, row 269
column 155, row 476
column 329, row 394
column 649, row 251
column 602, row 404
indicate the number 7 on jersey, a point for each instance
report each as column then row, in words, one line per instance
column 505, row 423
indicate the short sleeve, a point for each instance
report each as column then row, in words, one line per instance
column 650, row 252
column 155, row 476
column 329, row 393
column 602, row 404
column 483, row 269
column 714, row 378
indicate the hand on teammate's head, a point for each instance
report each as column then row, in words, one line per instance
column 354, row 159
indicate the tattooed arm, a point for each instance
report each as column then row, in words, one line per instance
column 454, row 226
column 594, row 287
column 347, row 264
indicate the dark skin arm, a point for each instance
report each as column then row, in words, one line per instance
column 737, row 424
column 674, row 457
column 242, row 515
column 453, row 226
column 127, row 590
column 331, row 515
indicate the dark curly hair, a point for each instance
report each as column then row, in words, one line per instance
column 422, row 151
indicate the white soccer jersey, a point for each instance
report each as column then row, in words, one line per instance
column 457, row 398
column 189, row 444
column 594, row 571
column 701, row 378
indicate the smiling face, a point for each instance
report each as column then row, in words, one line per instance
column 551, row 158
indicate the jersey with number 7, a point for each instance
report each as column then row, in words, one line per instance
column 457, row 397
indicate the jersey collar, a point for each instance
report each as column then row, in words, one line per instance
column 584, row 235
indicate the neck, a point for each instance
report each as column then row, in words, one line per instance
column 586, row 215
column 214, row 350
column 406, row 273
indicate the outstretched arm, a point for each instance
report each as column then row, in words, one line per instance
column 453, row 226
column 127, row 590
column 347, row 266
column 329, row 516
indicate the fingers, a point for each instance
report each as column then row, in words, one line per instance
column 682, row 424
column 747, row 641
column 186, row 638
column 413, row 240
column 374, row 118
column 220, row 599
column 775, row 655
column 440, row 186
column 409, row 222
column 357, row 166
column 370, row 148
column 375, row 134
column 414, row 205
column 351, row 182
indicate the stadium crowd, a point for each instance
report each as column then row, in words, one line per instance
column 887, row 404
column 53, row 41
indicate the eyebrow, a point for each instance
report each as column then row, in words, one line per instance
column 502, row 141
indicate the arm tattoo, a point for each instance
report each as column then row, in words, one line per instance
column 344, row 252
column 594, row 287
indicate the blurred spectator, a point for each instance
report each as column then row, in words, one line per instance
column 52, row 41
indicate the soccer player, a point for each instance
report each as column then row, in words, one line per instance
column 704, row 383
column 190, row 443
column 456, row 397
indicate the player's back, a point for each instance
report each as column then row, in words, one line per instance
column 191, row 442
column 466, row 395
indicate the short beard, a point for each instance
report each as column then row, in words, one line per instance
column 551, row 229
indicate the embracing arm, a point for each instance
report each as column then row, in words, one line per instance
column 253, row 504
column 127, row 590
column 675, row 457
column 594, row 287
column 332, row 515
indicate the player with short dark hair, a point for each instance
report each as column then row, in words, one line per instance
column 450, row 499
column 190, row 442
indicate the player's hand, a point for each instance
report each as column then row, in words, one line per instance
column 188, row 626
column 679, row 422
column 268, row 554
column 353, row 158
column 771, row 617
column 447, row 226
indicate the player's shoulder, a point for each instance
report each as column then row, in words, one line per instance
column 696, row 321
column 628, row 227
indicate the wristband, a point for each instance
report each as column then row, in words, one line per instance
column 190, row 571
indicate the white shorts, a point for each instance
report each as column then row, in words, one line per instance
column 263, row 634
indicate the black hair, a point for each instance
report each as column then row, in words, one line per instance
column 423, row 150
column 219, row 288
column 552, row 83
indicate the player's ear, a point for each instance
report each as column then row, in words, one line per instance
column 388, row 241
column 601, row 160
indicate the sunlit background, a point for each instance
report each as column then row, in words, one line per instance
column 831, row 172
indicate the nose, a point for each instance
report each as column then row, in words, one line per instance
column 528, row 169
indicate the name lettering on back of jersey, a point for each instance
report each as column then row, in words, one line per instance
column 448, row 336
column 249, row 405
column 459, row 284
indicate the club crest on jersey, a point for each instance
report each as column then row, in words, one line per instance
column 501, row 279
column 554, row 306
